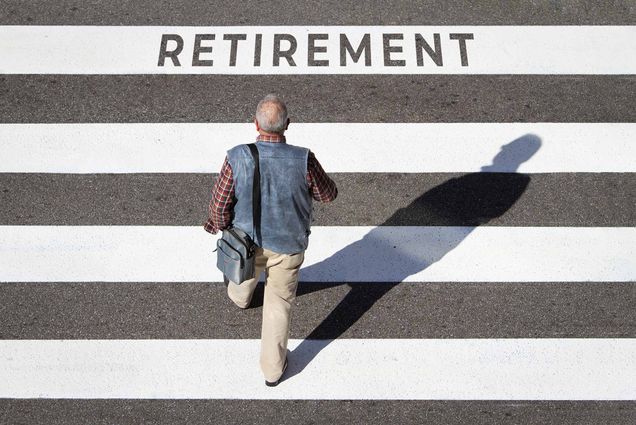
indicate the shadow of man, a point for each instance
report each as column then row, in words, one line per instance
column 388, row 254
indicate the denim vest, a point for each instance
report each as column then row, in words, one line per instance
column 286, row 204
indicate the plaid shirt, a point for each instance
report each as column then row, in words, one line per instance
column 322, row 188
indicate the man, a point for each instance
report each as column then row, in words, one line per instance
column 291, row 177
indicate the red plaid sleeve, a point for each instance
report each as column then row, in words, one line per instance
column 220, row 208
column 323, row 189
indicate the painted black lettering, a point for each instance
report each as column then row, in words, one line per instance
column 287, row 54
column 257, row 49
column 436, row 54
column 346, row 47
column 234, row 39
column 461, row 38
column 313, row 49
column 388, row 49
column 198, row 49
column 172, row 54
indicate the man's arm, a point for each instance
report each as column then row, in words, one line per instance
column 322, row 188
column 220, row 208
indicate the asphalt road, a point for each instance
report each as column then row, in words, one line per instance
column 318, row 98
column 327, row 12
column 98, row 310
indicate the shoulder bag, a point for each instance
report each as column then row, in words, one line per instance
column 236, row 251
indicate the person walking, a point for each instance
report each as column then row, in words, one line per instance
column 291, row 178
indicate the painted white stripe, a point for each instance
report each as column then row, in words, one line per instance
column 336, row 254
column 466, row 369
column 493, row 50
column 439, row 147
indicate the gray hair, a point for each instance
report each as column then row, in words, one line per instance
column 271, row 114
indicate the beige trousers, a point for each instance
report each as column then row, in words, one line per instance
column 280, row 291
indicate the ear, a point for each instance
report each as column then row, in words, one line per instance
column 258, row 128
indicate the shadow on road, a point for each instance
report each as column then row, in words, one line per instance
column 466, row 202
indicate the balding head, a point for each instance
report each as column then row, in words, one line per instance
column 271, row 114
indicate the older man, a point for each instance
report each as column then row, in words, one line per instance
column 291, row 177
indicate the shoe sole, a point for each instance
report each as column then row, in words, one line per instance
column 273, row 384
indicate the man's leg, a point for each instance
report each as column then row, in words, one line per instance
column 242, row 294
column 280, row 292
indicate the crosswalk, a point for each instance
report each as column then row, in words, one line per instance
column 481, row 256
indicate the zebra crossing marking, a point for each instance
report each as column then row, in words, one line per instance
column 387, row 369
column 424, row 147
column 336, row 254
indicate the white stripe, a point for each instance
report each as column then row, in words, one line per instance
column 336, row 254
column 340, row 147
column 465, row 369
column 494, row 50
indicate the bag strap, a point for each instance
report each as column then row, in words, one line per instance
column 256, row 194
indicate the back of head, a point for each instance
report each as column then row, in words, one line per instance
column 271, row 114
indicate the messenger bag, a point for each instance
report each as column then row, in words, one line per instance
column 236, row 251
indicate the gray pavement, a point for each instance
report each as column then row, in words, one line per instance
column 323, row 311
column 325, row 12
column 359, row 412
column 365, row 199
column 318, row 98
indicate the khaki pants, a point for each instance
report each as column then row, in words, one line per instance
column 280, row 291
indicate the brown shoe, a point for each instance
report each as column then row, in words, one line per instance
column 273, row 384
